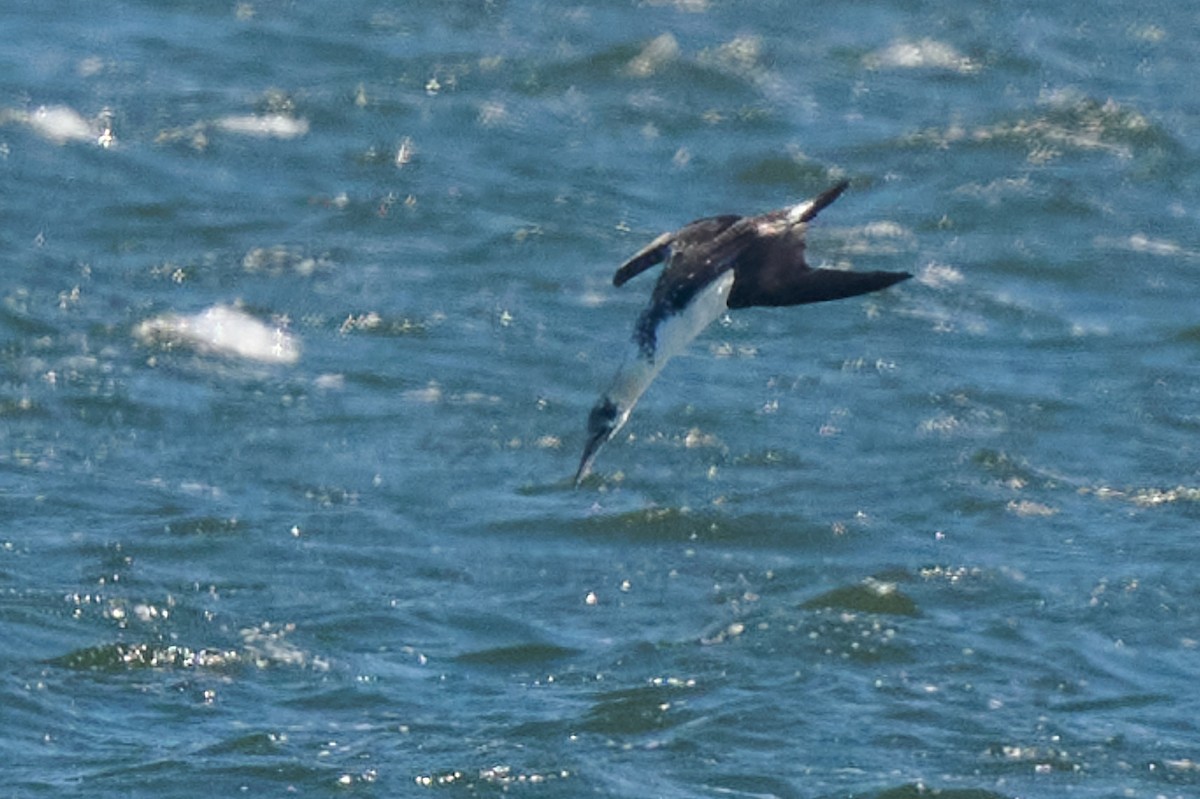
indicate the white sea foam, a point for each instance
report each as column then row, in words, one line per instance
column 267, row 126
column 221, row 330
column 925, row 53
column 62, row 124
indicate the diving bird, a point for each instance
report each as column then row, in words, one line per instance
column 713, row 265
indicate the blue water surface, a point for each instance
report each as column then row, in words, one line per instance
column 305, row 305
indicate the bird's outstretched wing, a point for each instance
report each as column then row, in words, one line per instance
column 771, row 271
column 691, row 236
column 797, row 284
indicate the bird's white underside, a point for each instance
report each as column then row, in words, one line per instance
column 672, row 337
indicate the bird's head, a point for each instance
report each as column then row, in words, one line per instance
column 606, row 418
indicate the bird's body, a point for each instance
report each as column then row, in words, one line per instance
column 714, row 265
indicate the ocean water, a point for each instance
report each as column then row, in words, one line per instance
column 305, row 304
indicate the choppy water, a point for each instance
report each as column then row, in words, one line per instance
column 305, row 305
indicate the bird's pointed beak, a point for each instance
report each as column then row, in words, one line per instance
column 605, row 420
column 595, row 442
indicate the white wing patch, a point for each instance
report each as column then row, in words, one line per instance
column 798, row 211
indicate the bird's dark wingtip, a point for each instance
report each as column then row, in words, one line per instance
column 881, row 280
